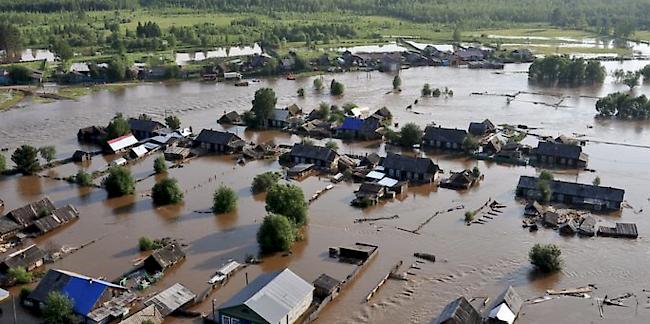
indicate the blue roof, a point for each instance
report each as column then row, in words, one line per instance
column 351, row 123
column 84, row 293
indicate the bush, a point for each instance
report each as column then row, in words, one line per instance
column 263, row 182
column 166, row 192
column 546, row 175
column 318, row 84
column 276, row 234
column 410, row 134
column 336, row 88
column 224, row 200
column 119, row 182
column 397, row 82
column 426, row 90
column 332, row 145
column 301, row 92
column 117, row 127
column 3, row 163
column 83, row 178
column 24, row 292
column 546, row 258
column 58, row 308
column 159, row 165
column 470, row 143
column 19, row 275
column 146, row 244
column 48, row 153
column 469, row 216
column 287, row 200
column 173, row 122
column 26, row 159
column 596, row 181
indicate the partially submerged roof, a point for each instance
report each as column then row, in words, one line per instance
column 375, row 175
column 561, row 150
column 122, row 142
column 352, row 124
column 148, row 314
column 167, row 255
column 459, row 311
column 450, row 135
column 511, row 299
column 272, row 295
column 59, row 217
column 24, row 258
column 139, row 151
column 388, row 182
column 216, row 137
column 144, row 125
column 171, row 299
column 313, row 152
column 408, row 163
column 326, row 282
column 29, row 213
column 229, row 267
column 575, row 189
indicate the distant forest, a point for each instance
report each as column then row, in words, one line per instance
column 597, row 14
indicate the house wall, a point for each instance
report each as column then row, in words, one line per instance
column 410, row 176
column 443, row 145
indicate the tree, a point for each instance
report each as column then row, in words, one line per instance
column 276, row 234
column 116, row 70
column 318, row 84
column 631, row 79
column 409, row 135
column 19, row 275
column 332, row 145
column 546, row 175
column 324, row 111
column 301, row 92
column 287, row 200
column 224, row 200
column 3, row 163
column 159, row 165
column 63, row 49
column 11, row 41
column 48, row 152
column 426, row 90
column 336, row 88
column 166, row 192
column 596, row 181
column 173, row 122
column 546, row 257
column 147, row 244
column 58, row 308
column 20, row 74
column 144, row 116
column 83, row 178
column 118, row 126
column 264, row 104
column 645, row 72
column 397, row 82
column 119, row 182
column 469, row 216
column 476, row 172
column 456, row 35
column 26, row 159
column 263, row 182
column 470, row 143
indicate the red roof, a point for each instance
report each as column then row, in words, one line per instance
column 115, row 140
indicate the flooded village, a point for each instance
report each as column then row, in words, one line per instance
column 438, row 230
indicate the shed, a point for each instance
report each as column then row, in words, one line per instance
column 81, row 156
column 8, row 228
column 588, row 226
column 171, row 299
column 121, row 143
column 301, row 170
column 569, row 228
column 138, row 151
column 176, row 153
column 325, row 286
column 506, row 307
column 359, row 251
column 149, row 314
column 625, row 230
column 163, row 258
column 28, row 258
column 277, row 297
column 230, row 118
column 459, row 311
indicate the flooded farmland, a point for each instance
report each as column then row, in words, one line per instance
column 474, row 261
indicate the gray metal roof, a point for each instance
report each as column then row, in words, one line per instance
column 272, row 295
column 171, row 299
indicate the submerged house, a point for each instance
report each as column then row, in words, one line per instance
column 144, row 128
column 444, row 138
column 171, row 299
column 357, row 128
column 559, row 154
column 272, row 298
column 149, row 314
column 121, row 143
column 231, row 118
column 26, row 215
column 414, row 169
column 87, row 294
column 574, row 194
column 28, row 258
column 282, row 118
column 56, row 219
column 163, row 258
column 459, row 311
column 219, row 142
column 460, row 180
column 506, row 307
column 483, row 128
column 320, row 156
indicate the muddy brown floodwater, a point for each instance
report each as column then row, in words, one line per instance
column 473, row 261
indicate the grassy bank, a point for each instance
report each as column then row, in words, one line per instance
column 9, row 98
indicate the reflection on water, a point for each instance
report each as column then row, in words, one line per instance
column 475, row 261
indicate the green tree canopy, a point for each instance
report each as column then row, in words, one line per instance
column 26, row 159
column 48, row 152
column 546, row 257
column 318, row 84
column 83, row 178
column 118, row 126
column 119, row 182
column 276, row 234
column 19, row 275
column 264, row 181
column 166, row 192
column 397, row 82
column 173, row 122
column 11, row 41
column 565, row 70
column 20, row 74
column 332, row 145
column 224, row 200
column 63, row 49
column 159, row 165
column 58, row 308
column 410, row 134
column 336, row 88
column 287, row 200
column 264, row 104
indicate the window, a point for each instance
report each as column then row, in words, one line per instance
column 234, row 321
column 225, row 319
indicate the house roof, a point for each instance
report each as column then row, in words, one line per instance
column 459, row 311
column 376, row 175
column 25, row 257
column 171, row 299
column 168, row 255
column 144, row 125
column 407, row 163
column 575, row 189
column 147, row 314
column 388, row 182
column 313, row 152
column 478, row 129
column 280, row 114
column 368, row 187
column 383, row 112
column 352, row 123
column 79, row 67
column 451, row 135
column 122, row 142
column 216, row 137
column 272, row 295
column 29, row 213
column 7, row 226
column 560, row 150
column 230, row 117
column 139, row 151
column 326, row 282
column 294, row 109
column 58, row 217
column 84, row 291
column 509, row 297
column 229, row 267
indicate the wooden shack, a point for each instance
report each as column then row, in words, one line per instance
column 459, row 311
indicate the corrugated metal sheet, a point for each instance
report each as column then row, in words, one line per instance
column 84, row 293
column 123, row 142
column 139, row 151
column 171, row 299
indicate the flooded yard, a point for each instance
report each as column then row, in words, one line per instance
column 474, row 261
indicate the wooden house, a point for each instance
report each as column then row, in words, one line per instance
column 444, row 138
column 219, row 142
column 163, row 258
column 144, row 128
column 459, row 311
column 320, row 156
column 574, row 194
column 560, row 155
column 413, row 169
